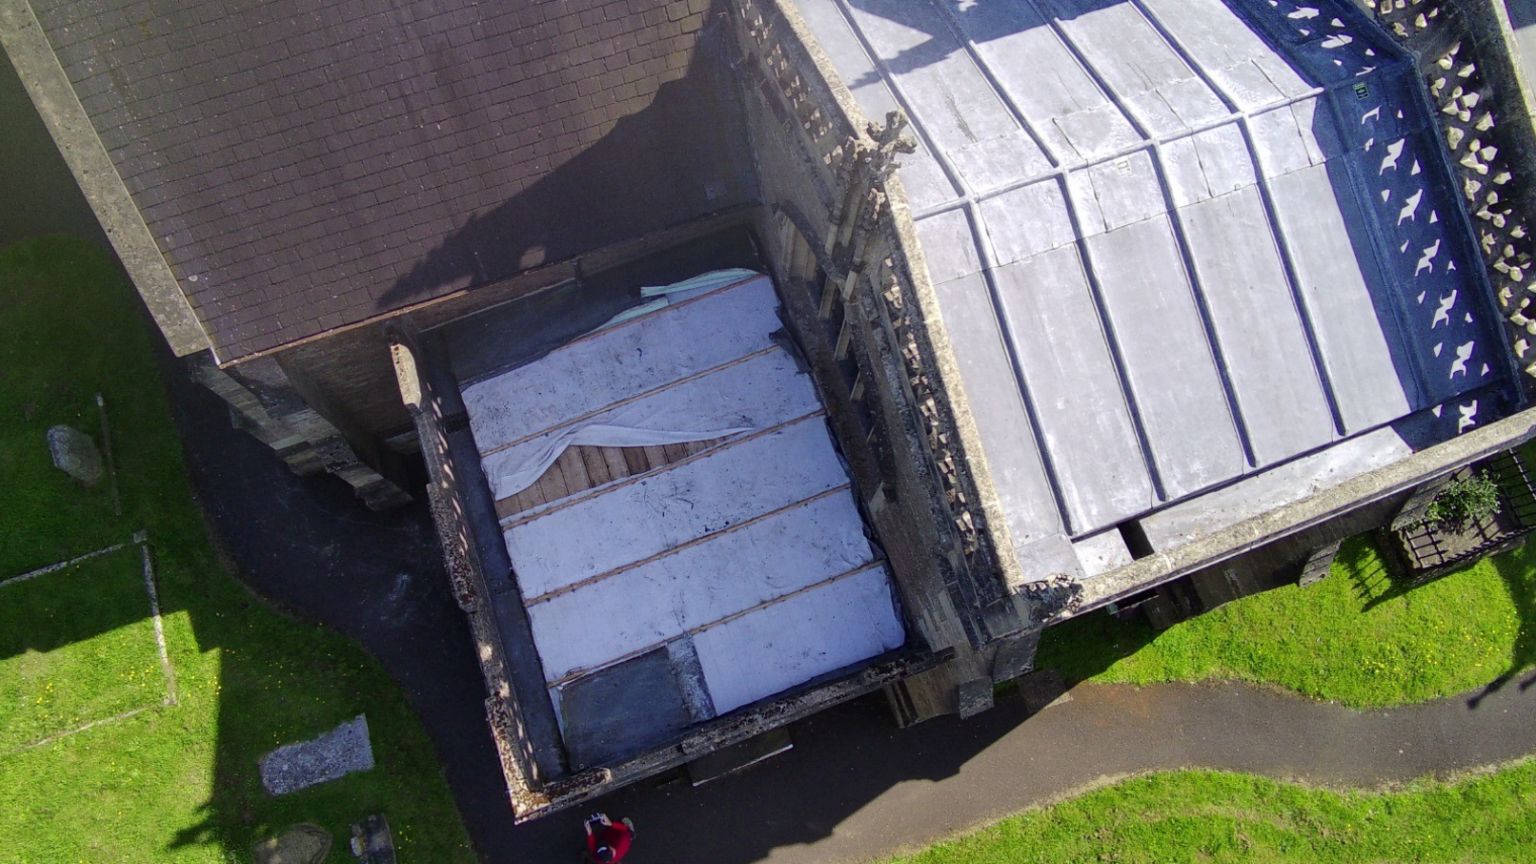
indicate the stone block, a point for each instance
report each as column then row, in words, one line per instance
column 1015, row 656
column 975, row 696
column 1318, row 565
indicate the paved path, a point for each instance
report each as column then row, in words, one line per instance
column 854, row 788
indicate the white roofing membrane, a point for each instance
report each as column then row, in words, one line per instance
column 753, row 550
column 1176, row 243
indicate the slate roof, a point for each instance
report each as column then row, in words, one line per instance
column 305, row 166
column 1176, row 243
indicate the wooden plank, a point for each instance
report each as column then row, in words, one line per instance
column 527, row 499
column 552, row 484
column 655, row 456
column 596, row 465
column 618, row 466
column 675, row 452
column 576, row 479
column 533, row 496
column 634, row 458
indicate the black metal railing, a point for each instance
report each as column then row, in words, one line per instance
column 1432, row 549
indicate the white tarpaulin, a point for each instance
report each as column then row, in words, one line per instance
column 662, row 296
column 609, row 367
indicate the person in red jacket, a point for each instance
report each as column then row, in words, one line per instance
column 608, row 843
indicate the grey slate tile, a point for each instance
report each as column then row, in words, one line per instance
column 259, row 137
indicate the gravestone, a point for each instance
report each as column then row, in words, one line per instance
column 75, row 454
column 335, row 754
column 372, row 842
column 300, row 844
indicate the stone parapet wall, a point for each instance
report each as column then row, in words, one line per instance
column 470, row 589
column 1465, row 55
column 857, row 292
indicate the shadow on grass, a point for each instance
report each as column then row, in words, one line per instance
column 1517, row 568
column 176, row 776
column 375, row 578
column 1084, row 647
column 1379, row 576
column 1372, row 568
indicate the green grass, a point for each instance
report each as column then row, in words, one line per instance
column 1210, row 817
column 177, row 783
column 79, row 649
column 1355, row 637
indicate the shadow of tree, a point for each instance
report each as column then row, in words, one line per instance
column 1519, row 575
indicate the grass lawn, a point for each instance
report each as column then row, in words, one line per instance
column 1206, row 817
column 173, row 783
column 1355, row 637
column 69, row 665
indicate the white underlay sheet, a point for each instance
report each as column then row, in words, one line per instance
column 605, row 368
column 749, row 394
column 782, row 645
column 700, row 584
column 754, row 549
column 662, row 511
column 662, row 296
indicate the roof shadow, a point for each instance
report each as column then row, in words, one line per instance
column 683, row 156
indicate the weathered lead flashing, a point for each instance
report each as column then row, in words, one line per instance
column 38, row 68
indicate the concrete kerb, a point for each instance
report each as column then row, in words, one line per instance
column 171, row 696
